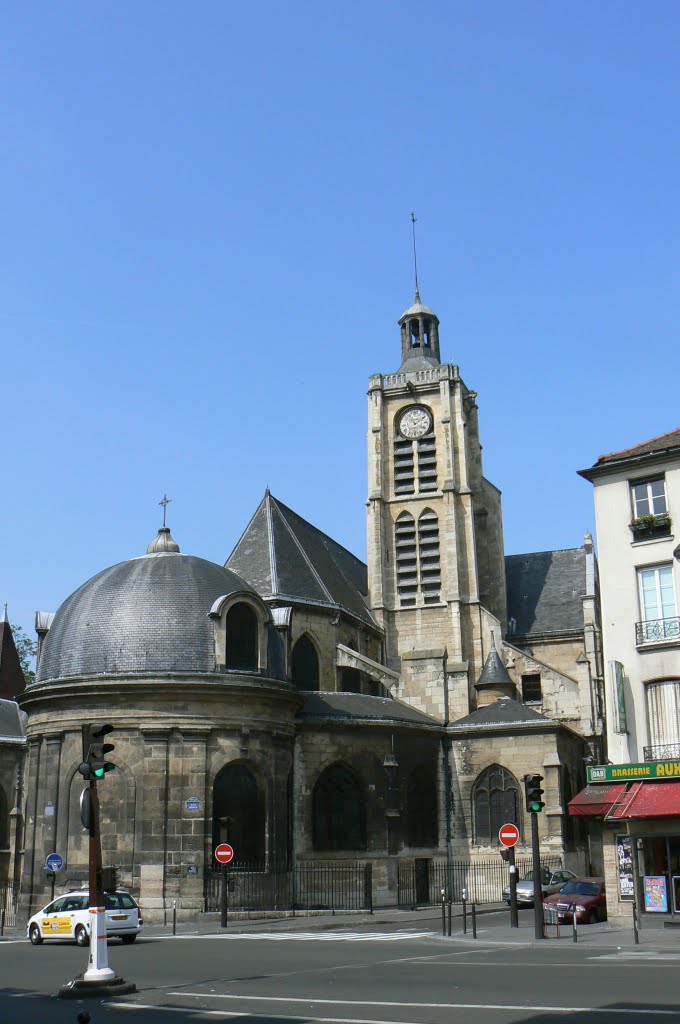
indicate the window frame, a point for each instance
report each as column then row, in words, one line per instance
column 647, row 483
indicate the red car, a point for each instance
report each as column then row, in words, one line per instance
column 586, row 894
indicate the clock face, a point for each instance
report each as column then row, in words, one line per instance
column 414, row 422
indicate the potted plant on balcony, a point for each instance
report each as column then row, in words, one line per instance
column 648, row 526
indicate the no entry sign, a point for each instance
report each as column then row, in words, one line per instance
column 508, row 835
column 224, row 853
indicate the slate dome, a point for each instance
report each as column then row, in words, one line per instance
column 145, row 615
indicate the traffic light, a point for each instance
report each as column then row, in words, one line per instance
column 109, row 878
column 94, row 761
column 532, row 787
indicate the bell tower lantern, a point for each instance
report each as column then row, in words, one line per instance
column 419, row 336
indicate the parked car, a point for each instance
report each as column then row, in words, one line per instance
column 551, row 882
column 68, row 917
column 587, row 895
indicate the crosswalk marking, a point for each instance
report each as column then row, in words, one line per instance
column 321, row 936
column 644, row 954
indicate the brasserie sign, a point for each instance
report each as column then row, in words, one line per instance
column 649, row 771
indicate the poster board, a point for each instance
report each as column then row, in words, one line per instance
column 656, row 895
column 624, row 868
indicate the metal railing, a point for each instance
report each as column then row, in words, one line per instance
column 9, row 906
column 313, row 885
column 420, row 882
column 655, row 630
column 664, row 752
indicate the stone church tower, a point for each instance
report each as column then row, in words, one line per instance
column 435, row 539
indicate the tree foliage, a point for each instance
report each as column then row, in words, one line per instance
column 26, row 649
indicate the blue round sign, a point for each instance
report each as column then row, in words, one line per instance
column 54, row 862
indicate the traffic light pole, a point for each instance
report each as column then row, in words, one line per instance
column 539, row 931
column 98, row 963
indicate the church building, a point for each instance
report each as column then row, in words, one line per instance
column 310, row 709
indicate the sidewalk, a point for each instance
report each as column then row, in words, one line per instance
column 493, row 926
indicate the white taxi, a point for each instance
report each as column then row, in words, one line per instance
column 68, row 917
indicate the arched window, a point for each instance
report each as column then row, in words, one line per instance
column 495, row 802
column 421, row 808
column 407, row 567
column 241, row 638
column 428, row 556
column 238, row 814
column 338, row 811
column 305, row 665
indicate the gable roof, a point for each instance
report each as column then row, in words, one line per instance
column 359, row 707
column 288, row 560
column 545, row 591
column 664, row 444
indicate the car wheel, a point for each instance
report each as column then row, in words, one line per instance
column 35, row 936
column 128, row 939
column 81, row 936
column 592, row 917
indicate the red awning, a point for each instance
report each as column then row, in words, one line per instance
column 596, row 800
column 651, row 800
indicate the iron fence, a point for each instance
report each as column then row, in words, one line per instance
column 9, row 906
column 420, row 881
column 313, row 885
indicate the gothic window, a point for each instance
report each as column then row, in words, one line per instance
column 421, row 808
column 241, row 638
column 238, row 814
column 4, row 820
column 407, row 569
column 338, row 811
column 495, row 802
column 428, row 556
column 305, row 665
column 407, row 452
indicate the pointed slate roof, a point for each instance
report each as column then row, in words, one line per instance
column 494, row 674
column 665, row 444
column 286, row 559
column 12, row 682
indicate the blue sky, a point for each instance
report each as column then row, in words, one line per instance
column 206, row 247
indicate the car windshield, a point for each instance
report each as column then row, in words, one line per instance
column 580, row 889
column 529, row 877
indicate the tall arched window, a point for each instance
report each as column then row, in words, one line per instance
column 305, row 665
column 428, row 556
column 406, row 557
column 238, row 814
column 241, row 638
column 338, row 811
column 495, row 802
column 421, row 808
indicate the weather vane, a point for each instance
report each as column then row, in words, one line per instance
column 165, row 502
column 415, row 259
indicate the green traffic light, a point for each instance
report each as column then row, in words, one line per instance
column 106, row 767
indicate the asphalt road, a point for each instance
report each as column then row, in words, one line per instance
column 345, row 977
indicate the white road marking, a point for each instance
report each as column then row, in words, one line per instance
column 644, row 954
column 333, row 936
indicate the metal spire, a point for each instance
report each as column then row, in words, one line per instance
column 415, row 258
column 165, row 502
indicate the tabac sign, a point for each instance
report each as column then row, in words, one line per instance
column 649, row 771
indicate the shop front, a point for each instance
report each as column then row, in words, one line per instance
column 638, row 806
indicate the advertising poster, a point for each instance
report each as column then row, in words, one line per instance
column 656, row 897
column 624, row 860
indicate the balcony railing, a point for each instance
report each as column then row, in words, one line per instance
column 656, row 630
column 665, row 752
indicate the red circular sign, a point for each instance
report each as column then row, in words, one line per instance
column 508, row 835
column 224, row 853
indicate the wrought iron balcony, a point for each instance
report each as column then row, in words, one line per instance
column 665, row 752
column 656, row 630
